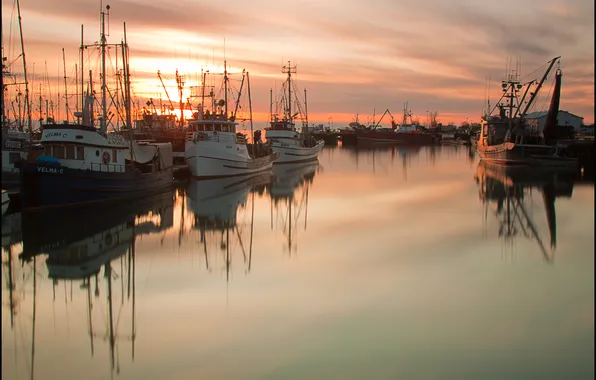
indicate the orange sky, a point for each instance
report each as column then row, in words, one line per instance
column 352, row 56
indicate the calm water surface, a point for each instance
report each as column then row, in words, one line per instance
column 381, row 264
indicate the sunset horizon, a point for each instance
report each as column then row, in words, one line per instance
column 437, row 58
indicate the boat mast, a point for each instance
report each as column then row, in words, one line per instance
column 305, row 109
column 125, row 53
column 289, row 70
column 27, row 108
column 65, row 87
column 103, row 123
column 225, row 90
column 250, row 108
column 83, row 107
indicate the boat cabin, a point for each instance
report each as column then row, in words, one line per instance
column 82, row 147
column 494, row 131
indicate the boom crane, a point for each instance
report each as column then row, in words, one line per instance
column 165, row 89
column 382, row 116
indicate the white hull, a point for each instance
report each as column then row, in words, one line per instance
column 293, row 154
column 211, row 159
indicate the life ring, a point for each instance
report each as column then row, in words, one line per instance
column 108, row 239
column 106, row 157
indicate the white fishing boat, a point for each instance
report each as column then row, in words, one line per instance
column 213, row 149
column 293, row 146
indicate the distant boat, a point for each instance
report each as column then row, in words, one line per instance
column 213, row 149
column 406, row 133
column 292, row 146
column 81, row 164
column 508, row 139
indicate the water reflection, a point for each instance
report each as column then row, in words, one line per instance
column 289, row 190
column 76, row 250
column 215, row 204
column 509, row 189
column 382, row 158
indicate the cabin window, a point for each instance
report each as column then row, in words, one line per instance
column 485, row 130
column 80, row 153
column 97, row 153
column 218, row 128
column 70, row 152
column 114, row 155
column 59, row 151
column 48, row 150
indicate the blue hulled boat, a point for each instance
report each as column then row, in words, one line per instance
column 79, row 163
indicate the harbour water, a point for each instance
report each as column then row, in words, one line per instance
column 375, row 263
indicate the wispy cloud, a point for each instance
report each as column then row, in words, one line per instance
column 352, row 55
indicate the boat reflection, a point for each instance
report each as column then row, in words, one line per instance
column 289, row 197
column 509, row 189
column 382, row 158
column 79, row 254
column 215, row 207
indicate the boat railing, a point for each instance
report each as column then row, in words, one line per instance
column 110, row 168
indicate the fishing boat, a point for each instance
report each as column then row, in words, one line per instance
column 507, row 188
column 214, row 149
column 509, row 139
column 407, row 133
column 292, row 145
column 80, row 163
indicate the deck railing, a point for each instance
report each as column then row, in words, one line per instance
column 110, row 168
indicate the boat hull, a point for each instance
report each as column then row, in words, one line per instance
column 47, row 186
column 209, row 160
column 525, row 155
column 295, row 154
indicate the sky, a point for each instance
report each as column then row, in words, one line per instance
column 352, row 56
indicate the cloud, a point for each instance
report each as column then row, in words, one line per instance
column 352, row 55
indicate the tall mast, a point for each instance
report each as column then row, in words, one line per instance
column 83, row 107
column 103, row 124
column 225, row 90
column 27, row 108
column 289, row 70
column 305, row 108
column 126, row 82
column 65, row 87
column 3, row 121
column 249, row 107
